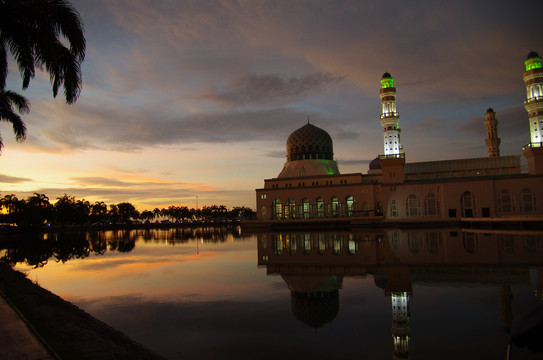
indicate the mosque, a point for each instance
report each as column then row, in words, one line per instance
column 310, row 187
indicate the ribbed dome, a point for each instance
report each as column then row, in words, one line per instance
column 309, row 142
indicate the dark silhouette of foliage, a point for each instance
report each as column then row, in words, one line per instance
column 69, row 211
column 35, row 32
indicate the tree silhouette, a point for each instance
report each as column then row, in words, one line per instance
column 34, row 32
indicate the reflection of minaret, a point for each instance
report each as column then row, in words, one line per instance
column 539, row 284
column 492, row 140
column 400, row 324
column 399, row 288
column 506, row 312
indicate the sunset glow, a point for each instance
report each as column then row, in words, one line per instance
column 191, row 103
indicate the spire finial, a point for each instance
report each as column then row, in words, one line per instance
column 308, row 119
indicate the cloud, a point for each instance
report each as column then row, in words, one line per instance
column 86, row 126
column 272, row 88
column 6, row 179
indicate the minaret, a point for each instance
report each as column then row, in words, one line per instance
column 389, row 117
column 533, row 77
column 393, row 161
column 492, row 140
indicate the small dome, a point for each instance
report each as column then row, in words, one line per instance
column 489, row 110
column 309, row 142
column 375, row 164
column 532, row 55
column 386, row 75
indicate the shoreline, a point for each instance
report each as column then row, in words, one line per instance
column 68, row 330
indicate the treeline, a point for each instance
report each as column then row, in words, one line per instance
column 39, row 210
column 36, row 248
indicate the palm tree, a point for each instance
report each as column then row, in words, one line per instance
column 34, row 32
column 9, row 99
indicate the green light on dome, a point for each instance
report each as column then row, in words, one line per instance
column 387, row 82
column 533, row 63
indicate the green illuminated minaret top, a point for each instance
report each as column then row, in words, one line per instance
column 388, row 82
column 533, row 61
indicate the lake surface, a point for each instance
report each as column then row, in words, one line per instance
column 212, row 293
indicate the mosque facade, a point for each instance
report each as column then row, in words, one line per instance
column 311, row 187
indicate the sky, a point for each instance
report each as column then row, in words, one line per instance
column 191, row 102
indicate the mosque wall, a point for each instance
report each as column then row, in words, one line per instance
column 464, row 198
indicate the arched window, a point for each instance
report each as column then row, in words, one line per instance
column 349, row 201
column 431, row 205
column 264, row 213
column 531, row 243
column 291, row 243
column 470, row 241
column 290, row 209
column 278, row 244
column 319, row 207
column 527, row 201
column 305, row 211
column 505, row 202
column 393, row 208
column 433, row 242
column 333, row 206
column 468, row 205
column 414, row 242
column 321, row 244
column 412, row 205
column 307, row 244
column 277, row 209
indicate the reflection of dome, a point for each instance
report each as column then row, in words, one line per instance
column 309, row 142
column 314, row 299
column 315, row 309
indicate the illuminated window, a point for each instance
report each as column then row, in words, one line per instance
column 277, row 209
column 307, row 244
column 290, row 209
column 278, row 244
column 305, row 211
column 319, row 207
column 349, row 201
column 333, row 206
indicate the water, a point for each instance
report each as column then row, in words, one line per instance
column 378, row 294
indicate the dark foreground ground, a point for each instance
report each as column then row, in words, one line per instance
column 68, row 330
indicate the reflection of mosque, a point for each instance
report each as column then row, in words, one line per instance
column 314, row 264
